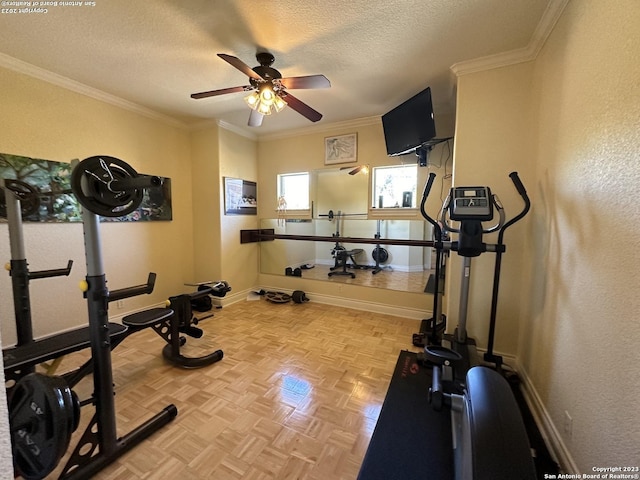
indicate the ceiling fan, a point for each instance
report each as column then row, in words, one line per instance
column 268, row 89
column 359, row 168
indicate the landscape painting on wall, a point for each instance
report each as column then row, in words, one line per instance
column 55, row 201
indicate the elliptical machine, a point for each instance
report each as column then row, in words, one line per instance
column 490, row 440
column 470, row 206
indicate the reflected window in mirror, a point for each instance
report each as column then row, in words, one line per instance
column 395, row 186
column 293, row 188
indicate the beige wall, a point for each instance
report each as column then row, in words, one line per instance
column 238, row 159
column 43, row 121
column 580, row 339
column 206, row 204
column 493, row 126
column 568, row 122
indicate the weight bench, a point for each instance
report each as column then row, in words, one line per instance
column 20, row 358
column 168, row 323
column 342, row 261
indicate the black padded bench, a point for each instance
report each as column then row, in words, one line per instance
column 146, row 318
column 19, row 358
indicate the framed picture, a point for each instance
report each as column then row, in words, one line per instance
column 240, row 197
column 341, row 149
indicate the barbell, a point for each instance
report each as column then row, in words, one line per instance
column 331, row 215
column 27, row 194
column 104, row 185
column 108, row 186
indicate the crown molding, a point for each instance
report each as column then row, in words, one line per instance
column 324, row 128
column 11, row 63
column 215, row 123
column 544, row 28
column 237, row 130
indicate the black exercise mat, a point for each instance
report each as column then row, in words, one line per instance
column 411, row 440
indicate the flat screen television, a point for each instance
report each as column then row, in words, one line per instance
column 410, row 124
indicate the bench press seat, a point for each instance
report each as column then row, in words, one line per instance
column 49, row 348
column 147, row 318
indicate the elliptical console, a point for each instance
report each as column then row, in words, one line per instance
column 471, row 203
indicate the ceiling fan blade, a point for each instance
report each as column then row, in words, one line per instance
column 355, row 170
column 301, row 107
column 223, row 91
column 255, row 119
column 240, row 65
column 309, row 81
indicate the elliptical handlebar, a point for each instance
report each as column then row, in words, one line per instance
column 518, row 184
column 423, row 211
column 527, row 204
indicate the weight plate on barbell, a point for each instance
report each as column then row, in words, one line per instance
column 26, row 193
column 380, row 254
column 91, row 182
column 43, row 413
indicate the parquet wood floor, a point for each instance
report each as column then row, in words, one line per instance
column 296, row 396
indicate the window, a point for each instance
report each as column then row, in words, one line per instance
column 395, row 186
column 294, row 188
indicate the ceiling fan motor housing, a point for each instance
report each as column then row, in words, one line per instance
column 265, row 59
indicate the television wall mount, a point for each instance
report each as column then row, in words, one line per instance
column 422, row 152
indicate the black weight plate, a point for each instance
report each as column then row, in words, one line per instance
column 277, row 297
column 380, row 254
column 26, row 193
column 91, row 184
column 43, row 413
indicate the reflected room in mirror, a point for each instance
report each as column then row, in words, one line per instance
column 340, row 209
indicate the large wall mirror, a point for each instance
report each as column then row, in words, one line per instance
column 394, row 267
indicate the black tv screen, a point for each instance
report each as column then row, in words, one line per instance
column 410, row 124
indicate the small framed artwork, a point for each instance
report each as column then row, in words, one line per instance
column 341, row 149
column 240, row 197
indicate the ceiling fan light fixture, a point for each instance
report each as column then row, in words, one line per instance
column 267, row 89
column 253, row 99
column 267, row 95
column 279, row 103
column 264, row 109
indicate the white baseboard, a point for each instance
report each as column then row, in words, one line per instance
column 405, row 312
column 234, row 297
column 408, row 313
column 548, row 429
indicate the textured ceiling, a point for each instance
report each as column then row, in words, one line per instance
column 376, row 53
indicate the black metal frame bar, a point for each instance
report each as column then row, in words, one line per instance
column 101, row 434
column 268, row 234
